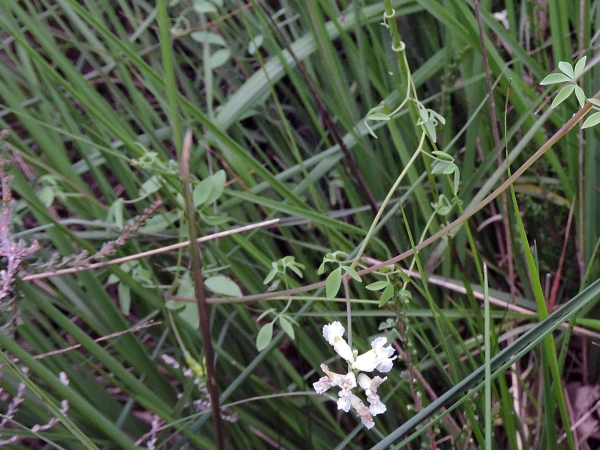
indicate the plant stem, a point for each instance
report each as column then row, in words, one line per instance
column 211, row 385
column 385, row 203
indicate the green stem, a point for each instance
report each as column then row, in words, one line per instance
column 385, row 203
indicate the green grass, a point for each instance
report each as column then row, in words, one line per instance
column 95, row 99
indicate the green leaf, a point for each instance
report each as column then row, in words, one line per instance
column 443, row 155
column 439, row 167
column 286, row 326
column 218, row 185
column 567, row 69
column 220, row 284
column 174, row 305
column 115, row 213
column 405, row 294
column 579, row 67
column 159, row 222
column 202, row 6
column 265, row 313
column 333, row 283
column 201, row 192
column 150, row 186
column 594, row 101
column 450, row 168
column 270, row 276
column 378, row 116
column 386, row 295
column 338, row 255
column 297, row 269
column 563, row 94
column 189, row 313
column 185, row 287
column 456, row 181
column 555, row 78
column 352, row 272
column 218, row 58
column 430, row 130
column 214, row 220
column 255, row 44
column 124, row 298
column 264, row 337
column 580, row 96
column 435, row 116
column 46, row 196
column 378, row 285
column 321, row 269
column 592, row 120
column 423, row 113
column 206, row 37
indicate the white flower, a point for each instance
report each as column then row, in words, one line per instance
column 345, row 382
column 502, row 17
column 363, row 412
column 376, row 358
column 345, row 400
column 370, row 386
column 323, row 384
column 333, row 334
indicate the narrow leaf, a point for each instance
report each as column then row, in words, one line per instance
column 206, row 37
column 264, row 337
column 378, row 116
column 594, row 101
column 220, row 284
column 255, row 44
column 579, row 67
column 286, row 326
column 592, row 120
column 386, row 295
column 562, row 95
column 555, row 78
column 220, row 57
column 124, row 298
column 353, row 273
column 218, row 185
column 567, row 69
column 204, row 7
column 580, row 96
column 333, row 283
column 378, row 285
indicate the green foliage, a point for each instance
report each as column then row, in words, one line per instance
column 283, row 100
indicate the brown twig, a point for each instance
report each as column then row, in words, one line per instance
column 133, row 329
column 196, row 272
column 156, row 251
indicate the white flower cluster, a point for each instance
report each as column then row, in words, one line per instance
column 378, row 358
